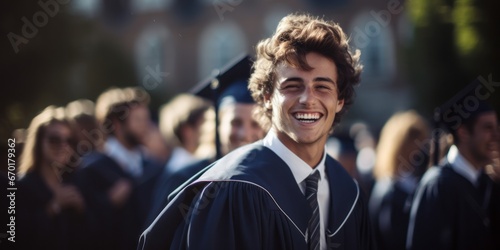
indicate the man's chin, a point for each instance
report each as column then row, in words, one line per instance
column 487, row 161
column 133, row 141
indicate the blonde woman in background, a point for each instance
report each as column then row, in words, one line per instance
column 51, row 208
column 402, row 158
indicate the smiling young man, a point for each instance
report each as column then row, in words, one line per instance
column 304, row 105
column 456, row 204
column 283, row 192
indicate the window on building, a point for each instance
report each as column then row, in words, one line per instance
column 154, row 54
column 88, row 8
column 150, row 5
column 376, row 42
column 219, row 44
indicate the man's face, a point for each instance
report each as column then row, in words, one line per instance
column 237, row 126
column 136, row 125
column 304, row 103
column 483, row 137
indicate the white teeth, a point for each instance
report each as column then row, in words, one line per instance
column 307, row 116
column 307, row 121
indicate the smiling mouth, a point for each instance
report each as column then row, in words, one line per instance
column 307, row 117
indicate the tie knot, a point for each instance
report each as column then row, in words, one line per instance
column 312, row 180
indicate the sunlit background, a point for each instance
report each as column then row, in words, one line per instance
column 417, row 54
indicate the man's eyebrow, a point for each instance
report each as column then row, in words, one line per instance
column 324, row 79
column 292, row 79
column 317, row 79
column 490, row 123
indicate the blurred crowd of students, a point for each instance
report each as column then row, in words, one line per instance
column 95, row 176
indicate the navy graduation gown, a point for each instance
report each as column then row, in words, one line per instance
column 495, row 214
column 36, row 229
column 170, row 181
column 389, row 207
column 116, row 227
column 448, row 212
column 249, row 200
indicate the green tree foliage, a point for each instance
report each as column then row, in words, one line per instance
column 456, row 41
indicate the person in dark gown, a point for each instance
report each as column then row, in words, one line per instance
column 402, row 158
column 118, row 182
column 283, row 192
column 236, row 125
column 180, row 123
column 456, row 204
column 51, row 212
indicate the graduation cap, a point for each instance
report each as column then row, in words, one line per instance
column 228, row 84
column 462, row 108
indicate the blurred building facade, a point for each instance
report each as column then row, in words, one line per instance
column 177, row 43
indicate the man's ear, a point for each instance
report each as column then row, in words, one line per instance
column 186, row 130
column 463, row 133
column 118, row 125
column 267, row 101
column 340, row 105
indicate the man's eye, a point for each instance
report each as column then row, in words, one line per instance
column 291, row 87
column 323, row 87
column 236, row 123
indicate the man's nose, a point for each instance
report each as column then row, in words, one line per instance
column 307, row 96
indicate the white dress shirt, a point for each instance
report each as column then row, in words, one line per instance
column 460, row 165
column 301, row 170
column 179, row 158
column 129, row 160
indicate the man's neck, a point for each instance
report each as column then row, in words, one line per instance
column 309, row 153
column 467, row 155
column 121, row 139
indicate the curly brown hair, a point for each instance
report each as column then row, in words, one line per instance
column 296, row 36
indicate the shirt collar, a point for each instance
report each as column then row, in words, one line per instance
column 461, row 165
column 130, row 160
column 180, row 157
column 300, row 169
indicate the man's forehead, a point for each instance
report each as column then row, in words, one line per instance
column 57, row 127
column 238, row 108
column 138, row 108
column 487, row 118
column 316, row 62
column 482, row 121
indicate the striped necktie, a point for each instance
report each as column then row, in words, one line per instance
column 312, row 198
